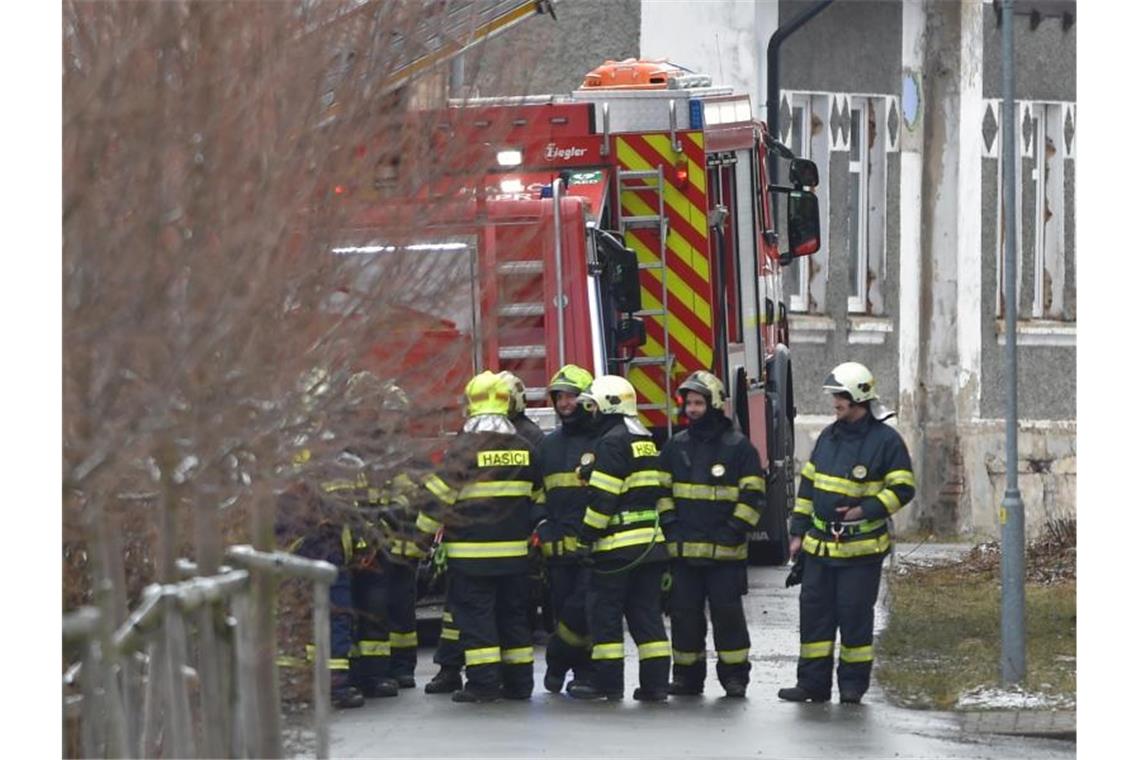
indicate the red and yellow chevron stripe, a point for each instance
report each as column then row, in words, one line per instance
column 687, row 277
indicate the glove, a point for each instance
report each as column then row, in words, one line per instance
column 796, row 574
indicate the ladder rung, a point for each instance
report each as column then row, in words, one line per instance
column 535, row 394
column 647, row 174
column 658, row 407
column 536, row 351
column 641, row 361
column 655, row 265
column 521, row 267
column 654, row 219
column 650, row 313
column 529, row 309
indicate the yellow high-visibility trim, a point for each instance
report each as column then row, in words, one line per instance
column 803, row 506
column 518, row 656
column 808, row 471
column 570, row 637
column 846, row 487
column 562, row 480
column 449, row 634
column 406, row 548
column 404, row 640
column 288, row 661
column 427, row 524
column 856, row 654
column 447, row 618
column 338, row 663
column 746, row 513
column 899, row 478
column 512, row 458
column 607, row 483
column 732, row 656
column 863, row 526
column 707, row 550
column 666, row 478
column 753, row 483
column 643, row 479
column 702, row 492
column 634, row 537
column 484, row 656
column 890, row 500
column 538, row 496
column 595, row 519
column 814, row 650
column 687, row 658
column 485, row 549
column 493, row 488
column 374, row 648
column 665, row 504
column 845, row 549
column 625, row 518
column 614, row 651
column 651, row 649
column 441, row 490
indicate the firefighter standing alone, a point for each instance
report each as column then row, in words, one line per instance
column 717, row 493
column 858, row 476
column 487, row 498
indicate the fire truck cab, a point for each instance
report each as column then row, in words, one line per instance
column 631, row 227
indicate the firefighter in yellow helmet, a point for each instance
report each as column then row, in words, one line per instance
column 487, row 499
column 564, row 452
column 525, row 426
column 858, row 476
column 717, row 493
column 627, row 548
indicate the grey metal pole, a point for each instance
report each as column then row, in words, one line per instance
column 1012, row 508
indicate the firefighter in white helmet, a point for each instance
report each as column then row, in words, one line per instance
column 627, row 547
column 858, row 476
column 717, row 495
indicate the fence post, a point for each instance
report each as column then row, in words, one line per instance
column 178, row 719
column 321, row 676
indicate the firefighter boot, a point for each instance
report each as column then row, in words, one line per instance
column 735, row 689
column 584, row 690
column 445, row 681
column 850, row 697
column 685, row 688
column 642, row 694
column 373, row 688
column 798, row 694
column 475, row 694
column 406, row 681
column 344, row 695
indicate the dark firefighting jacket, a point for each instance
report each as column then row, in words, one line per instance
column 864, row 463
column 529, row 430
column 564, row 452
column 620, row 519
column 487, row 498
column 717, row 490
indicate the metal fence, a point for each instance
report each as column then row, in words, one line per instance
column 188, row 674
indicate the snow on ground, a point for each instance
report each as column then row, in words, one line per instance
column 1013, row 698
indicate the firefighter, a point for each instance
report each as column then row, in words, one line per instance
column 487, row 499
column 627, row 549
column 858, row 476
column 525, row 426
column 717, row 494
column 564, row 452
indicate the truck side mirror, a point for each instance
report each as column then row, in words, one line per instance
column 630, row 333
column 802, row 223
column 803, row 173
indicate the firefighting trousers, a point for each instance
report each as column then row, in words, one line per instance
column 448, row 653
column 402, row 617
column 721, row 585
column 837, row 596
column 490, row 611
column 370, row 592
column 569, row 647
column 636, row 595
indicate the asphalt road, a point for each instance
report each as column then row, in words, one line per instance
column 554, row 726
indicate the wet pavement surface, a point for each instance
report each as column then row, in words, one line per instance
column 415, row 724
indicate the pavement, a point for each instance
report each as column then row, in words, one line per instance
column 710, row 726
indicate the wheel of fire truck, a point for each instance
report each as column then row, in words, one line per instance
column 770, row 544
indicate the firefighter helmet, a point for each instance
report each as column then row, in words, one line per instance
column 571, row 378
column 610, row 394
column 856, row 380
column 487, row 393
column 708, row 385
column 518, row 391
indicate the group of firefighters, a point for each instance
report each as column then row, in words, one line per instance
column 617, row 522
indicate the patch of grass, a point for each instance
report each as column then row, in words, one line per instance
column 944, row 637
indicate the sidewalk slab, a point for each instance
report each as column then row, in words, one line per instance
column 1052, row 724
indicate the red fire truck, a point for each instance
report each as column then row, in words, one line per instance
column 630, row 227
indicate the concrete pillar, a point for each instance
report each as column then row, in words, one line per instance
column 969, row 394
column 910, row 233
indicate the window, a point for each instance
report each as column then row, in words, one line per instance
column 866, row 206
column 1045, row 137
